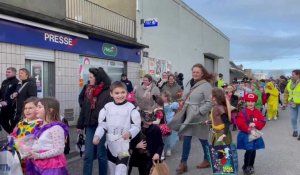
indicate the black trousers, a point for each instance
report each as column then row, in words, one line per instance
column 144, row 169
column 7, row 119
column 249, row 158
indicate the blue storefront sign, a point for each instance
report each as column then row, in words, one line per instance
column 151, row 22
column 35, row 37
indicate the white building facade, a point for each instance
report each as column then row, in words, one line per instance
column 181, row 39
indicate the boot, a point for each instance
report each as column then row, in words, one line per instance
column 204, row 164
column 182, row 168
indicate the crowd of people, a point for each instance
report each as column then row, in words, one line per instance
column 127, row 126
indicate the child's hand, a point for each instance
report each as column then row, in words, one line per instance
column 96, row 140
column 252, row 125
column 155, row 157
column 33, row 155
column 126, row 135
column 142, row 145
column 220, row 139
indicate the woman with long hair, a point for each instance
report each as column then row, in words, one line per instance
column 92, row 99
column 197, row 95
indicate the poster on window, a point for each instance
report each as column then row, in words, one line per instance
column 163, row 66
column 151, row 66
column 169, row 66
column 37, row 74
column 85, row 63
column 158, row 67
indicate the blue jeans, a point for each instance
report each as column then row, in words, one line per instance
column 92, row 151
column 295, row 117
column 187, row 147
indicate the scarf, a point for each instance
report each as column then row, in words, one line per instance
column 147, row 93
column 92, row 93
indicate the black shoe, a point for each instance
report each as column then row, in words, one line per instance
column 295, row 134
column 251, row 169
column 299, row 138
column 247, row 171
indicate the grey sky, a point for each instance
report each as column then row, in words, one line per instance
column 258, row 30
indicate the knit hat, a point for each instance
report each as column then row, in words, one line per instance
column 251, row 97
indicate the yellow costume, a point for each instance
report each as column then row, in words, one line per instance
column 272, row 101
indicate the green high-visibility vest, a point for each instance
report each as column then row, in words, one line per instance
column 220, row 83
column 294, row 94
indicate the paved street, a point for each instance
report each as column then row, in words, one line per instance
column 281, row 156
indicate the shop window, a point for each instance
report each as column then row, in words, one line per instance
column 44, row 74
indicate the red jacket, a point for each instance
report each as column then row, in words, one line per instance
column 258, row 119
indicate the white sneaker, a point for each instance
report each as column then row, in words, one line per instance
column 275, row 118
column 169, row 153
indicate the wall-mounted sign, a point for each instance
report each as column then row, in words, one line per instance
column 20, row 34
column 153, row 22
column 109, row 49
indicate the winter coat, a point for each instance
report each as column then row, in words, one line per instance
column 198, row 108
column 128, row 85
column 26, row 88
column 173, row 90
column 89, row 117
column 144, row 103
column 8, row 87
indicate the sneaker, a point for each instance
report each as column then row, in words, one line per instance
column 251, row 169
column 295, row 134
column 169, row 153
column 269, row 119
column 275, row 118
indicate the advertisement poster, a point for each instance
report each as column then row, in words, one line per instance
column 151, row 66
column 37, row 74
column 163, row 66
column 84, row 64
column 169, row 66
column 158, row 66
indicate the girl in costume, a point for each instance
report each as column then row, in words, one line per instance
column 120, row 121
column 273, row 95
column 169, row 109
column 25, row 128
column 47, row 155
column 219, row 118
column 249, row 120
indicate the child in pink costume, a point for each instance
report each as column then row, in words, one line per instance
column 47, row 155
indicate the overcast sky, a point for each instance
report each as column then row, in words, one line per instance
column 266, row 30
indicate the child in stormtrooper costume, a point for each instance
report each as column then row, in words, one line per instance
column 120, row 121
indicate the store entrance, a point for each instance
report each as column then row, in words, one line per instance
column 44, row 74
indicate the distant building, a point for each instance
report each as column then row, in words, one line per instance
column 260, row 75
column 236, row 71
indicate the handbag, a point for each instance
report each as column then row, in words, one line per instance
column 223, row 159
column 160, row 168
column 180, row 115
column 164, row 128
column 255, row 134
